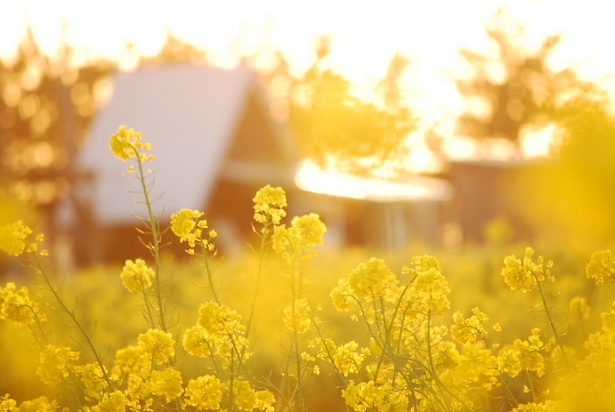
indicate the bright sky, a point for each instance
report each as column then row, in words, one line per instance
column 364, row 37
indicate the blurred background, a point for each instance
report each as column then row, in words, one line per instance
column 443, row 122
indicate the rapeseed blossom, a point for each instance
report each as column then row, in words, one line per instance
column 13, row 238
column 345, row 358
column 40, row 404
column 524, row 275
column 245, row 397
column 371, row 280
column 205, row 392
column 16, row 306
column 600, row 266
column 125, row 144
column 296, row 243
column 167, row 382
column 136, row 276
column 465, row 330
column 342, row 296
column 269, row 204
column 53, row 368
column 218, row 328
column 195, row 341
column 369, row 396
column 159, row 345
column 547, row 406
column 114, row 402
column 301, row 321
column 186, row 226
column 93, row 379
column 429, row 289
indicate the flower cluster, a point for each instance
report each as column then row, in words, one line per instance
column 371, row 396
column 600, row 266
column 186, row 226
column 136, row 276
column 524, row 355
column 14, row 239
column 429, row 287
column 126, row 143
column 269, row 204
column 466, row 330
column 53, row 368
column 16, row 305
column 298, row 317
column 218, row 329
column 524, row 275
column 345, row 358
column 369, row 281
column 296, row 243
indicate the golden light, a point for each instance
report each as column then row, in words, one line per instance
column 311, row 178
column 364, row 36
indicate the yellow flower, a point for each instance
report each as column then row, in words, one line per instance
column 195, row 342
column 7, row 404
column 53, row 370
column 113, row 402
column 264, row 401
column 159, row 345
column 601, row 265
column 344, row 357
column 301, row 321
column 269, row 204
column 547, row 406
column 188, row 228
column 125, row 144
column 245, row 398
column 342, row 296
column 429, row 289
column 524, row 275
column 296, row 243
column 16, row 306
column 204, row 392
column 13, row 238
column 370, row 280
column 136, row 276
column 41, row 404
column 93, row 380
column 167, row 382
column 465, row 331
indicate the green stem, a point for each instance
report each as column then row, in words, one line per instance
column 263, row 236
column 550, row 320
column 210, row 275
column 71, row 314
column 155, row 247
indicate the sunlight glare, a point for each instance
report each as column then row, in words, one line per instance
column 12, row 29
column 313, row 179
column 539, row 143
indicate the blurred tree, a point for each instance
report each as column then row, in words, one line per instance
column 45, row 108
column 513, row 88
column 335, row 128
column 573, row 196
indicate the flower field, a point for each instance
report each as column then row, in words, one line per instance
column 289, row 327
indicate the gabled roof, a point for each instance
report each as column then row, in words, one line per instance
column 189, row 113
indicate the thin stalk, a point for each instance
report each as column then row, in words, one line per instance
column 155, row 247
column 71, row 314
column 550, row 320
column 210, row 276
column 296, row 335
column 261, row 253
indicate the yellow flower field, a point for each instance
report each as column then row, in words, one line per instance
column 501, row 327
